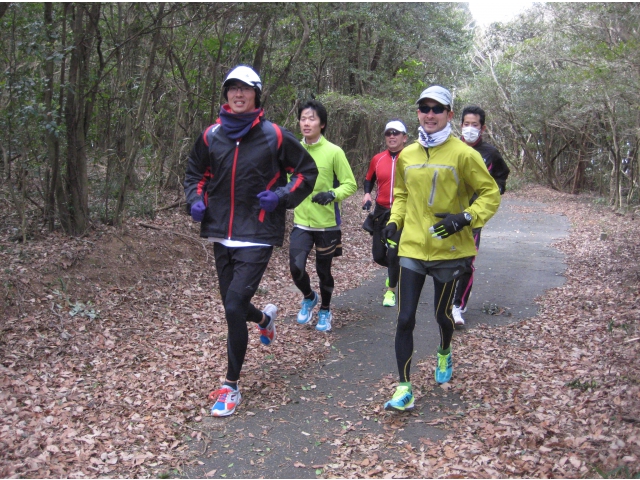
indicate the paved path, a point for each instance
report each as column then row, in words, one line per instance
column 515, row 265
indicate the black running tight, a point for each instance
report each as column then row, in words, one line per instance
column 238, row 310
column 411, row 284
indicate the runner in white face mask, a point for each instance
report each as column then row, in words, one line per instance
column 473, row 127
column 470, row 134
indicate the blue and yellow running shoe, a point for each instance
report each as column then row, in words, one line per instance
column 402, row 400
column 444, row 368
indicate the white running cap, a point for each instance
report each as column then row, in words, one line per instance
column 245, row 75
column 395, row 125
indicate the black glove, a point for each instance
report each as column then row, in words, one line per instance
column 450, row 224
column 387, row 232
column 324, row 198
column 367, row 205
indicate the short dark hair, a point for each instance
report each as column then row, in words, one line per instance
column 473, row 110
column 317, row 107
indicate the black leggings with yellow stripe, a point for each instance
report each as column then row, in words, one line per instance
column 410, row 288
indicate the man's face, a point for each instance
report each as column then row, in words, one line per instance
column 241, row 97
column 473, row 120
column 394, row 139
column 310, row 125
column 433, row 122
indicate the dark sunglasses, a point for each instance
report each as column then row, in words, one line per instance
column 392, row 133
column 437, row 109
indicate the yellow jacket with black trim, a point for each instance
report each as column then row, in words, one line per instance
column 440, row 179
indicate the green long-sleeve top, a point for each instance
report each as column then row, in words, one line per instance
column 335, row 175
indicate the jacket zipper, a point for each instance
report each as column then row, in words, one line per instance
column 433, row 188
column 393, row 176
column 433, row 181
column 233, row 189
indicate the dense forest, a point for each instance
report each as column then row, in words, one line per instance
column 101, row 102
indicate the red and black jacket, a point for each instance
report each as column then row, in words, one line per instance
column 382, row 169
column 227, row 175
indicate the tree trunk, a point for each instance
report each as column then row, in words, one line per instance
column 136, row 124
column 60, row 192
column 262, row 43
column 303, row 43
column 52, row 172
column 578, row 176
column 3, row 8
column 377, row 55
column 75, row 111
column 354, row 39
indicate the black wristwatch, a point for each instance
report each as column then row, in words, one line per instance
column 467, row 217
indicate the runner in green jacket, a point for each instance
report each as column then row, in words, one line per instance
column 317, row 219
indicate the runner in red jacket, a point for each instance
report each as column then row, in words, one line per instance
column 382, row 170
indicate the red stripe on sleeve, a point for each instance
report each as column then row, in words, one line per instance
column 278, row 134
column 205, row 178
column 299, row 180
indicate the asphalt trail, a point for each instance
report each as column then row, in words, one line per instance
column 515, row 265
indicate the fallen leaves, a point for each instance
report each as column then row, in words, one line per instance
column 122, row 392
column 110, row 344
column 547, row 396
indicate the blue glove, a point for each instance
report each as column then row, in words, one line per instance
column 268, row 200
column 197, row 211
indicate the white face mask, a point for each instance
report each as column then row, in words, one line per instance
column 470, row 134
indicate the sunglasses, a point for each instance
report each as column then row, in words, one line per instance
column 437, row 109
column 392, row 133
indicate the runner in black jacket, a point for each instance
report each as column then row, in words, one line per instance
column 473, row 126
column 236, row 185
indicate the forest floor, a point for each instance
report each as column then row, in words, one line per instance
column 110, row 343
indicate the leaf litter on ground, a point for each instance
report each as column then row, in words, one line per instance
column 110, row 344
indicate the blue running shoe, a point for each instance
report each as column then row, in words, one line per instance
column 402, row 400
column 324, row 320
column 305, row 313
column 444, row 368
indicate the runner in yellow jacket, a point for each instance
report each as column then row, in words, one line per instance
column 435, row 179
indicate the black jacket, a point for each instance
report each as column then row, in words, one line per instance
column 228, row 175
column 494, row 162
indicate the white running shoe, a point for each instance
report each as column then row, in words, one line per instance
column 268, row 333
column 227, row 399
column 457, row 316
